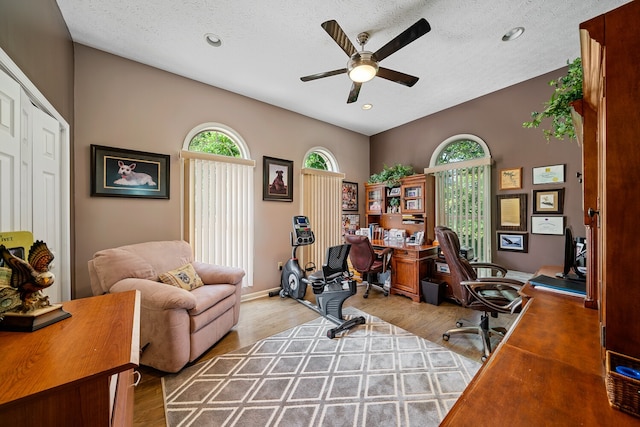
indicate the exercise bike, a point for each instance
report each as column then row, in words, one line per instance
column 332, row 284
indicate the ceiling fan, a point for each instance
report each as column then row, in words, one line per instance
column 364, row 65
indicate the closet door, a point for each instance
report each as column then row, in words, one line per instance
column 9, row 153
column 46, row 195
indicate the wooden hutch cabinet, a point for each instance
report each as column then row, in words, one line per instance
column 417, row 211
column 610, row 43
column 376, row 200
column 409, row 264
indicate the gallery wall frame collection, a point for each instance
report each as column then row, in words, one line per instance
column 547, row 206
column 118, row 172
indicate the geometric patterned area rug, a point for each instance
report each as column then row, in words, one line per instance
column 375, row 374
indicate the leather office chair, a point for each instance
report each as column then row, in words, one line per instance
column 368, row 262
column 491, row 295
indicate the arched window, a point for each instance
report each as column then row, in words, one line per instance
column 462, row 167
column 321, row 158
column 218, row 173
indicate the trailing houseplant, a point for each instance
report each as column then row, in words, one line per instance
column 568, row 89
column 391, row 176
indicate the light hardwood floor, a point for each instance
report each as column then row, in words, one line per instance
column 266, row 316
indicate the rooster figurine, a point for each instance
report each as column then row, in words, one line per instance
column 29, row 278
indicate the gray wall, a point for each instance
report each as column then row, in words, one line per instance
column 497, row 119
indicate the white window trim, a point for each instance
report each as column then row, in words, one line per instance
column 218, row 127
column 332, row 162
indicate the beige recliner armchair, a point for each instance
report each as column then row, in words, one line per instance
column 176, row 325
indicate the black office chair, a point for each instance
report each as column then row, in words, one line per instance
column 491, row 295
column 368, row 262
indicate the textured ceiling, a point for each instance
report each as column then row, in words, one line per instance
column 268, row 45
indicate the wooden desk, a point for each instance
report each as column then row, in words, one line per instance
column 61, row 375
column 409, row 264
column 546, row 371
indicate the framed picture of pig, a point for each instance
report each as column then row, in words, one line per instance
column 116, row 172
column 277, row 184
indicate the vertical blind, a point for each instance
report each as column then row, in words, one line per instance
column 322, row 204
column 463, row 203
column 219, row 210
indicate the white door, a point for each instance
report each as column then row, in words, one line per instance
column 46, row 191
column 31, row 178
column 9, row 153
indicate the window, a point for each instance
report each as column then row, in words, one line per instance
column 321, row 192
column 462, row 167
column 321, row 158
column 218, row 197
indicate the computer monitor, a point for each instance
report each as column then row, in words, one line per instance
column 574, row 256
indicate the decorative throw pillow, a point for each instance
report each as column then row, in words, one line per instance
column 184, row 277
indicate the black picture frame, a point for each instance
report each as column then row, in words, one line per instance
column 277, row 182
column 349, row 196
column 513, row 242
column 548, row 201
column 118, row 172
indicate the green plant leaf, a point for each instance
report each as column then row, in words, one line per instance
column 568, row 88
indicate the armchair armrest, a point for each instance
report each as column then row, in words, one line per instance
column 217, row 274
column 157, row 295
column 489, row 265
column 385, row 256
column 498, row 293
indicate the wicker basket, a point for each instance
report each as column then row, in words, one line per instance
column 623, row 391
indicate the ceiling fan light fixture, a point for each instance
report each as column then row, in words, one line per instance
column 362, row 67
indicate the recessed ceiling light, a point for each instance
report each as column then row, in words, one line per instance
column 367, row 106
column 513, row 34
column 213, row 39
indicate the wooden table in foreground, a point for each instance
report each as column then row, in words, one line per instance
column 546, row 371
column 76, row 372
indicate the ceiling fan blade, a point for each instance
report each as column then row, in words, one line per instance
column 323, row 74
column 355, row 91
column 397, row 76
column 335, row 31
column 415, row 31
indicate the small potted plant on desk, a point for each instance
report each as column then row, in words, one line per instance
column 394, row 205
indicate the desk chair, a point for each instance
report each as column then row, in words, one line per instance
column 491, row 295
column 368, row 262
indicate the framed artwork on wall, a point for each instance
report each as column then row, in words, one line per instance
column 349, row 196
column 548, row 201
column 548, row 174
column 512, row 212
column 514, row 242
column 277, row 183
column 510, row 179
column 117, row 172
column 547, row 225
column 350, row 223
